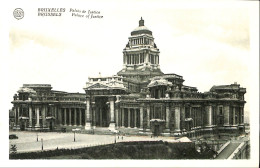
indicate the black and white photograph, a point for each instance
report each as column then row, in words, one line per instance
column 130, row 83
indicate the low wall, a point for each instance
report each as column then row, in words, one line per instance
column 122, row 150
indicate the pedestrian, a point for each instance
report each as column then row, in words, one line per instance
column 122, row 137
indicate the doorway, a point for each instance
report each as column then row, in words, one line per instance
column 51, row 125
column 156, row 130
column 101, row 112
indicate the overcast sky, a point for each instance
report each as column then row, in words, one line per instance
column 206, row 44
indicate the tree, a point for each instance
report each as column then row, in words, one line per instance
column 13, row 149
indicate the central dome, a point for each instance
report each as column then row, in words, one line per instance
column 142, row 29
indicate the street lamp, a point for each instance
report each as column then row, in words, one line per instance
column 37, row 136
column 74, row 136
column 42, row 143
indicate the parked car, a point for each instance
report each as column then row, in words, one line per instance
column 13, row 136
column 63, row 130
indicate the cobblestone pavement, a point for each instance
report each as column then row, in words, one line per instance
column 27, row 141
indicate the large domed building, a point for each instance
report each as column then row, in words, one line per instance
column 140, row 99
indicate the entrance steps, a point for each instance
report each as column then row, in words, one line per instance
column 102, row 131
column 106, row 131
column 129, row 131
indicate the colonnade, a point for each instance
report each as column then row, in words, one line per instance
column 139, row 58
column 176, row 116
column 72, row 116
column 39, row 116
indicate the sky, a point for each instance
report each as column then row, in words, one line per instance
column 208, row 43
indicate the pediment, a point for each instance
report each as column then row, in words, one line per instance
column 98, row 86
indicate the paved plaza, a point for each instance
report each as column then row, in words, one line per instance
column 27, row 141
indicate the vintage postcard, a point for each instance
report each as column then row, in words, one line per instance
column 131, row 83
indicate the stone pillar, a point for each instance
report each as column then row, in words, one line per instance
column 37, row 117
column 148, row 118
column 18, row 115
column 94, row 114
column 69, row 116
column 177, row 121
column 234, row 116
column 112, row 114
column 30, row 116
column 80, row 117
column 141, row 117
column 117, row 115
column 123, row 117
column 65, row 116
column 182, row 117
column 167, row 126
column 15, row 117
column 59, row 116
column 44, row 116
column 100, row 112
column 240, row 115
column 75, row 116
column 209, row 115
column 129, row 116
column 135, row 118
column 87, row 115
column 226, row 115
column 56, row 112
column 191, row 116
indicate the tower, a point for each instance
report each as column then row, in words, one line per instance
column 141, row 55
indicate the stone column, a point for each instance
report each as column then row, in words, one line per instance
column 234, row 116
column 30, row 116
column 94, row 115
column 75, row 116
column 240, row 115
column 37, row 117
column 167, row 126
column 15, row 116
column 177, row 121
column 129, row 116
column 123, row 117
column 55, row 112
column 182, row 117
column 69, row 116
column 209, row 115
column 135, row 118
column 191, row 116
column 226, row 115
column 100, row 112
column 148, row 118
column 44, row 116
column 112, row 113
column 141, row 117
column 117, row 115
column 59, row 116
column 65, row 116
column 87, row 115
column 80, row 117
column 18, row 115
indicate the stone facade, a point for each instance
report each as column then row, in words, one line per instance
column 140, row 97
